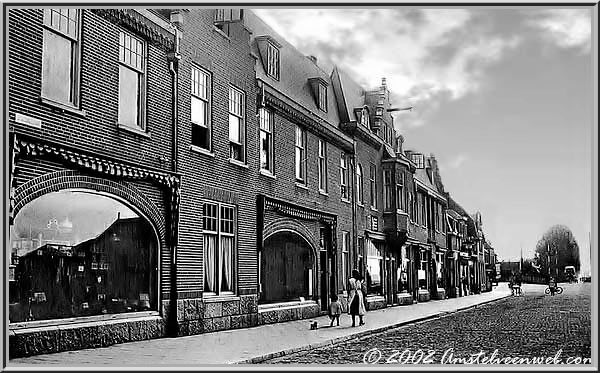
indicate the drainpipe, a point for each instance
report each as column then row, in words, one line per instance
column 354, row 202
column 174, row 57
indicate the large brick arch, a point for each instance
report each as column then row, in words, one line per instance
column 294, row 226
column 122, row 191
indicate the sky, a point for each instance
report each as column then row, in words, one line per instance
column 502, row 97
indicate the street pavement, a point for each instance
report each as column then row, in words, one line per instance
column 555, row 329
column 256, row 344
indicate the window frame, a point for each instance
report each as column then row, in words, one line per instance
column 373, row 185
column 359, row 184
column 76, row 49
column 273, row 61
column 322, row 167
column 142, row 82
column 322, row 97
column 345, row 256
column 218, row 233
column 267, row 117
column 300, row 162
column 344, row 182
column 400, row 198
column 242, row 124
column 388, row 191
column 207, row 101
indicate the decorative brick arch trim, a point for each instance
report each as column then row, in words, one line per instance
column 294, row 226
column 69, row 179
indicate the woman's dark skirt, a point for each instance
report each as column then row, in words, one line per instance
column 354, row 306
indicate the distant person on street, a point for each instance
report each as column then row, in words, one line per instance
column 552, row 285
column 465, row 285
column 356, row 298
column 335, row 310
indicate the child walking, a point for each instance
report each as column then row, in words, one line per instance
column 335, row 310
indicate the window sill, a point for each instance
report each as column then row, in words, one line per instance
column 63, row 107
column 222, row 33
column 267, row 174
column 238, row 163
column 81, row 320
column 345, row 200
column 133, row 130
column 213, row 298
column 374, row 209
column 323, row 193
column 200, row 150
column 360, row 205
column 301, row 186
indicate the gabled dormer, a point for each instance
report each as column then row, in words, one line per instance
column 269, row 50
column 225, row 17
column 318, row 87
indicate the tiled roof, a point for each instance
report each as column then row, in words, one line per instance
column 471, row 230
column 295, row 71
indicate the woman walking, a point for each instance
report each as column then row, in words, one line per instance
column 356, row 298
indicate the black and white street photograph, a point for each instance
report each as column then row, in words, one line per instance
column 300, row 186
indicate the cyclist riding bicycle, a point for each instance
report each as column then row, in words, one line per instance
column 552, row 285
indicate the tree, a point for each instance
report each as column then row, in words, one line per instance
column 556, row 249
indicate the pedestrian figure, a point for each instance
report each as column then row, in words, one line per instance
column 335, row 310
column 552, row 285
column 356, row 297
column 465, row 284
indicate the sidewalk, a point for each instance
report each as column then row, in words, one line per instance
column 259, row 343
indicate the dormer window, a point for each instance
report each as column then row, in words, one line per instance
column 273, row 61
column 225, row 17
column 418, row 159
column 364, row 117
column 319, row 89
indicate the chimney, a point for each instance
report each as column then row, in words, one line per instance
column 312, row 58
column 118, row 215
column 176, row 18
column 383, row 82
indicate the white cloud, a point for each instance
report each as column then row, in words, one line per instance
column 567, row 28
column 458, row 161
column 424, row 54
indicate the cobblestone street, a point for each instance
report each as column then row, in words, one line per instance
column 531, row 326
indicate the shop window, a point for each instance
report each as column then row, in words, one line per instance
column 374, row 275
column 77, row 254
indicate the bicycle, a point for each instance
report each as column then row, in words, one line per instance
column 558, row 290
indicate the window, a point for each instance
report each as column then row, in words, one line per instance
column 131, row 81
column 373, row 184
column 322, row 166
column 401, row 204
column 237, row 101
column 61, row 54
column 364, row 117
column 423, row 209
column 419, row 160
column 300, row 155
column 345, row 245
column 361, row 250
column 344, row 176
column 225, row 17
column 200, row 108
column 219, row 246
column 388, row 190
column 359, row 184
column 322, row 91
column 266, row 139
column 422, row 272
column 374, row 268
column 272, row 61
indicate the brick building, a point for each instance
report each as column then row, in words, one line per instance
column 264, row 179
column 89, row 111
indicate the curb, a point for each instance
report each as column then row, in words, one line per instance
column 360, row 335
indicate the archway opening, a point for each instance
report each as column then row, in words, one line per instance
column 77, row 253
column 287, row 268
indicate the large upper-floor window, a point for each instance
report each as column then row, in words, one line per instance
column 265, row 117
column 300, row 155
column 359, row 184
column 200, row 108
column 373, row 184
column 61, row 56
column 132, row 83
column 344, row 176
column 237, row 120
column 272, row 61
column 400, row 198
column 218, row 231
column 388, row 193
column 322, row 166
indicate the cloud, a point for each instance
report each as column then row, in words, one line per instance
column 567, row 28
column 457, row 161
column 425, row 54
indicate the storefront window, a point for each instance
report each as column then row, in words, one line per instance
column 374, row 268
column 422, row 273
column 80, row 254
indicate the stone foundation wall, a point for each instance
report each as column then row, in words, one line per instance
column 57, row 338
column 282, row 313
column 423, row 296
column 404, row 299
column 197, row 316
column 440, row 294
column 375, row 303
